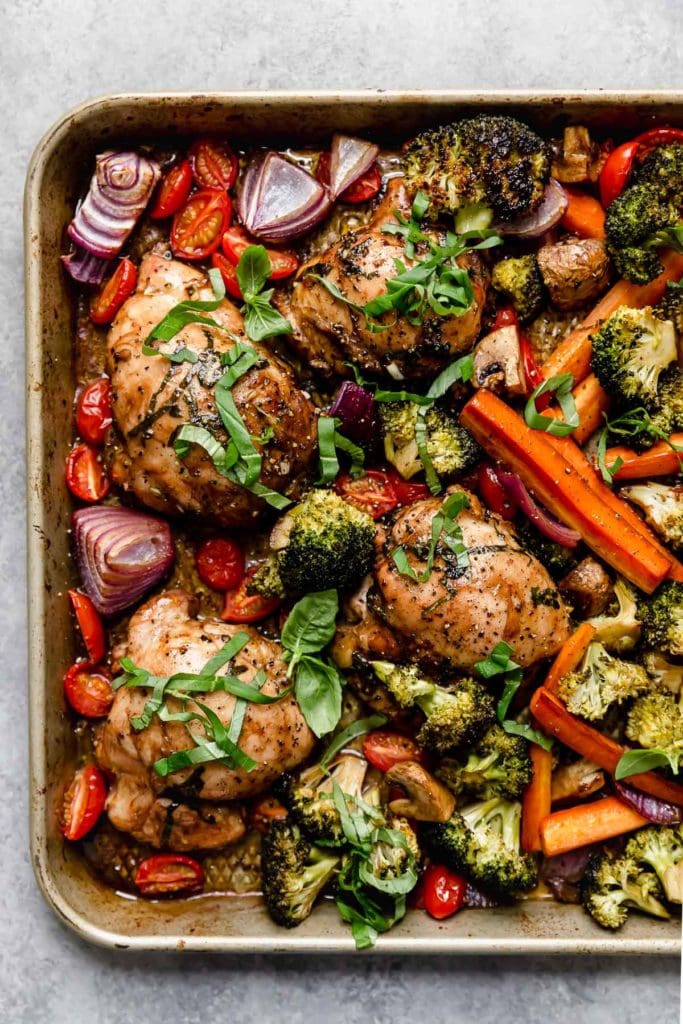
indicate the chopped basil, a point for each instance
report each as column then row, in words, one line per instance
column 445, row 528
column 561, row 387
column 180, row 316
column 499, row 663
column 358, row 728
column 318, row 684
column 626, row 427
column 261, row 320
column 635, row 761
column 329, row 440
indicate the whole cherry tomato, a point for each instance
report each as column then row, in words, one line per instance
column 220, row 563
column 384, row 748
column 283, row 262
column 493, row 494
column 372, row 493
column 85, row 475
column 443, row 891
column 365, row 188
column 106, row 303
column 90, row 625
column 93, row 411
column 243, row 607
column 214, row 164
column 83, row 802
column 165, row 874
column 228, row 272
column 506, row 316
column 88, row 690
column 199, row 225
column 173, row 191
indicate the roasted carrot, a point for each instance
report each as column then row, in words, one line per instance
column 573, row 355
column 556, row 721
column 536, row 798
column 584, row 216
column 586, row 508
column 591, row 401
column 569, row 655
column 587, row 823
column 660, row 460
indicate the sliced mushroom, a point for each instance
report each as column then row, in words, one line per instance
column 577, row 780
column 426, row 798
column 578, row 159
column 498, row 362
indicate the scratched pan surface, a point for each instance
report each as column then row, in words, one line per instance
column 59, row 169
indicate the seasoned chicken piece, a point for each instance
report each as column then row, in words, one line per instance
column 574, row 270
column 164, row 638
column 328, row 333
column 152, row 397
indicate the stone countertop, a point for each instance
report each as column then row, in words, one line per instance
column 56, row 53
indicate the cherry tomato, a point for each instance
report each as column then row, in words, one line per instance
column 214, row 164
column 220, row 563
column 616, row 172
column 532, row 374
column 384, row 748
column 85, row 475
column 283, row 262
column 506, row 316
column 199, row 226
column 265, row 811
column 90, row 625
column 88, row 690
column 365, row 188
column 93, row 411
column 173, row 191
column 493, row 494
column 243, row 607
column 167, row 873
column 407, row 491
column 83, row 802
column 444, row 891
column 228, row 273
column 106, row 303
column 372, row 493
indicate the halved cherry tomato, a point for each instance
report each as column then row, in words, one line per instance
column 360, row 191
column 506, row 316
column 214, row 164
column 85, row 474
column 220, row 563
column 407, row 491
column 93, row 411
column 372, row 493
column 265, row 811
column 90, row 625
column 493, row 494
column 106, row 303
column 619, row 164
column 443, row 891
column 173, row 191
column 199, row 226
column 83, row 802
column 88, row 690
column 532, row 374
column 384, row 748
column 228, row 273
column 167, row 873
column 243, row 607
column 283, row 262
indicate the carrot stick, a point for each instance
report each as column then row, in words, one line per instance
column 573, row 355
column 505, row 436
column 591, row 401
column 587, row 823
column 582, row 738
column 584, row 215
column 569, row 655
column 660, row 460
column 536, row 799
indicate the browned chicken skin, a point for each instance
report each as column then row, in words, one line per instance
column 164, row 638
column 328, row 334
column 152, row 397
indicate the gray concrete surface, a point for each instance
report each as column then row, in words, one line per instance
column 52, row 55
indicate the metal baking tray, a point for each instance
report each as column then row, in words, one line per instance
column 59, row 168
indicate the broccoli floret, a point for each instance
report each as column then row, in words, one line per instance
column 558, row 559
column 519, row 281
column 449, row 446
column 630, row 351
column 497, row 765
column 662, row 850
column 619, row 631
column 395, row 853
column 663, row 508
column 453, row 717
column 664, row 674
column 609, row 888
column 294, row 872
column 656, row 720
column 670, row 306
column 486, row 161
column 635, row 225
column 323, row 542
column 663, row 170
column 308, row 797
column 599, row 682
column 482, row 842
column 662, row 618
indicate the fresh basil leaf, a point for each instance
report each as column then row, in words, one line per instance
column 186, row 313
column 528, row 733
column 261, row 320
column 607, row 472
column 223, row 458
column 420, row 205
column 355, row 453
column 561, row 387
column 250, row 458
column 328, row 463
column 633, row 762
column 181, row 355
column 311, row 624
column 228, row 651
column 318, row 690
column 445, row 528
column 360, row 727
column 498, row 662
column 461, row 370
column 253, row 270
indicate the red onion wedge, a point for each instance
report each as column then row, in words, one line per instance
column 541, row 519
column 121, row 554
column 477, row 899
column 350, row 158
column 547, row 214
column 279, row 200
column 357, row 410
column 119, row 191
column 84, row 267
column 659, row 812
column 562, row 874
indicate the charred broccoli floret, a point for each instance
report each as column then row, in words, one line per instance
column 394, row 853
column 670, row 306
column 620, row 630
column 663, row 508
column 519, row 280
column 453, row 717
column 601, row 681
column 482, row 842
column 609, row 888
column 662, row 617
column 308, row 796
column 497, row 765
column 558, row 559
column 449, row 446
column 322, row 543
column 294, row 873
column 662, row 850
column 663, row 169
column 487, row 161
column 636, row 225
column 656, row 721
column 630, row 351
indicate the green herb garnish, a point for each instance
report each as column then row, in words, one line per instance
column 360, row 727
column 261, row 320
column 445, row 529
column 329, row 440
column 309, row 628
column 499, row 663
column 635, row 761
column 626, row 427
column 180, row 316
column 561, row 387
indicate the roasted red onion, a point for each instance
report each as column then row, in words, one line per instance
column 350, row 158
column 357, row 410
column 541, row 519
column 476, row 899
column 121, row 554
column 119, row 191
column 547, row 214
column 84, row 267
column 279, row 200
column 659, row 812
column 562, row 874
